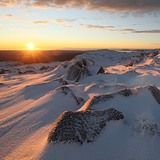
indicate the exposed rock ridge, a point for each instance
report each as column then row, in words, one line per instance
column 81, row 126
column 103, row 98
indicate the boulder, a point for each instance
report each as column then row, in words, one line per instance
column 78, row 70
column 101, row 71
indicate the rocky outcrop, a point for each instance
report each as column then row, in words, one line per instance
column 78, row 70
column 81, row 126
column 155, row 92
column 103, row 98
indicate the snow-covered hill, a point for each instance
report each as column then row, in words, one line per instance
column 114, row 103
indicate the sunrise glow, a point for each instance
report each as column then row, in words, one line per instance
column 91, row 25
column 30, row 46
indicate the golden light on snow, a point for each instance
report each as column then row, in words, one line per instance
column 30, row 46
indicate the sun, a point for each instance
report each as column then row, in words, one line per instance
column 30, row 46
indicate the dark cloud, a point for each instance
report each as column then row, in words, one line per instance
column 112, row 5
column 108, row 5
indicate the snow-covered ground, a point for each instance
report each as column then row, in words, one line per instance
column 33, row 96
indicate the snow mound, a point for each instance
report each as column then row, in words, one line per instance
column 81, row 126
column 102, row 57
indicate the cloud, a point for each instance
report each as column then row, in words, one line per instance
column 12, row 18
column 8, row 15
column 106, row 5
column 140, row 31
column 10, row 2
column 156, row 44
column 113, row 29
column 68, row 26
column 40, row 22
column 96, row 26
column 62, row 21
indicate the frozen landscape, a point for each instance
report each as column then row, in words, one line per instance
column 101, row 105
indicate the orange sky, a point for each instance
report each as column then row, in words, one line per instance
column 77, row 28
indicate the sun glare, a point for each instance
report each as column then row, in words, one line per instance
column 30, row 46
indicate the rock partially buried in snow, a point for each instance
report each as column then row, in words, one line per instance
column 78, row 70
column 81, row 126
column 156, row 93
column 143, row 126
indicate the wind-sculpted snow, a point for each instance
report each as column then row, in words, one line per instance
column 102, row 57
column 81, row 126
column 32, row 96
column 67, row 91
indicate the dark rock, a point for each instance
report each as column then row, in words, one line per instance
column 29, row 71
column 125, row 92
column 26, row 72
column 129, row 64
column 2, row 71
column 101, row 70
column 103, row 98
column 156, row 93
column 81, row 126
column 44, row 68
column 78, row 70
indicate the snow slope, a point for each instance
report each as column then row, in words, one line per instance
column 33, row 96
